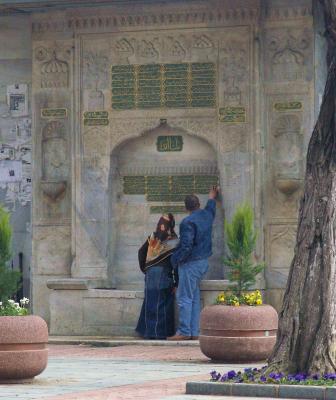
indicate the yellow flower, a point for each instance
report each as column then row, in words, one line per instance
column 221, row 297
column 258, row 302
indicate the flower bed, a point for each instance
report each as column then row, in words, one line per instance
column 10, row 308
column 248, row 299
column 259, row 376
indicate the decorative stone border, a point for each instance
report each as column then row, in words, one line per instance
column 267, row 390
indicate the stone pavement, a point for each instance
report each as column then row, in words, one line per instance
column 138, row 372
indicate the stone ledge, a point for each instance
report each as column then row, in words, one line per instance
column 103, row 341
column 74, row 284
column 255, row 390
column 113, row 294
column 216, row 285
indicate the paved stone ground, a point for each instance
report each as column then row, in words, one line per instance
column 118, row 373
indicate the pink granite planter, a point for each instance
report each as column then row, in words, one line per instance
column 235, row 334
column 23, row 352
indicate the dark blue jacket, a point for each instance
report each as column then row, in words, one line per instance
column 195, row 236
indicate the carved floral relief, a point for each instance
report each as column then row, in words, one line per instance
column 53, row 64
column 203, row 48
column 288, row 55
column 234, row 69
column 179, row 47
column 55, row 165
column 287, row 153
column 282, row 242
column 95, row 69
column 54, row 151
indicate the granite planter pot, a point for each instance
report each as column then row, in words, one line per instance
column 235, row 334
column 23, row 351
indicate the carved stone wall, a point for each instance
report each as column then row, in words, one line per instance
column 288, row 85
column 98, row 142
column 52, row 104
column 257, row 123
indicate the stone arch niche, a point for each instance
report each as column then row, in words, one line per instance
column 149, row 175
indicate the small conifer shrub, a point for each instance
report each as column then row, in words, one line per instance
column 241, row 242
column 9, row 280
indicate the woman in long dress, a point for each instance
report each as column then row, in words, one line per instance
column 156, row 319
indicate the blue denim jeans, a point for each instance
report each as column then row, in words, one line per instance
column 188, row 296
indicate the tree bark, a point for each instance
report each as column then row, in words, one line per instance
column 306, row 339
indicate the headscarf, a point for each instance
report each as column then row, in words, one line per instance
column 160, row 244
column 165, row 227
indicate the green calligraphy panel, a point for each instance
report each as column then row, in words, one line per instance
column 232, row 115
column 95, row 114
column 169, row 143
column 183, row 184
column 203, row 183
column 54, row 112
column 123, row 87
column 134, row 185
column 288, row 106
column 168, row 188
column 174, row 209
column 177, row 85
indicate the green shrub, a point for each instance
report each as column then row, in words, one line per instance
column 9, row 280
column 241, row 241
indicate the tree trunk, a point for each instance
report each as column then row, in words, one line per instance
column 306, row 339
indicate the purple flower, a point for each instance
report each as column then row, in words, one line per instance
column 291, row 377
column 224, row 378
column 300, row 377
column 231, row 374
column 330, row 376
column 316, row 377
column 263, row 378
column 276, row 376
column 215, row 376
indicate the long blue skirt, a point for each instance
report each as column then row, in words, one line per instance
column 156, row 319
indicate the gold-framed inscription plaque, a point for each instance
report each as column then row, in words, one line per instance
column 232, row 114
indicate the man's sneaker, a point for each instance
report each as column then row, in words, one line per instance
column 194, row 337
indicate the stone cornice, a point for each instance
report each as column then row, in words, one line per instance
column 287, row 13
column 110, row 21
column 106, row 20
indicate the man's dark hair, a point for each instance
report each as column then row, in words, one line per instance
column 191, row 202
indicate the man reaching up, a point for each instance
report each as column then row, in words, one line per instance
column 191, row 259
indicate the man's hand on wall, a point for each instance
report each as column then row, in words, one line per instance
column 213, row 192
